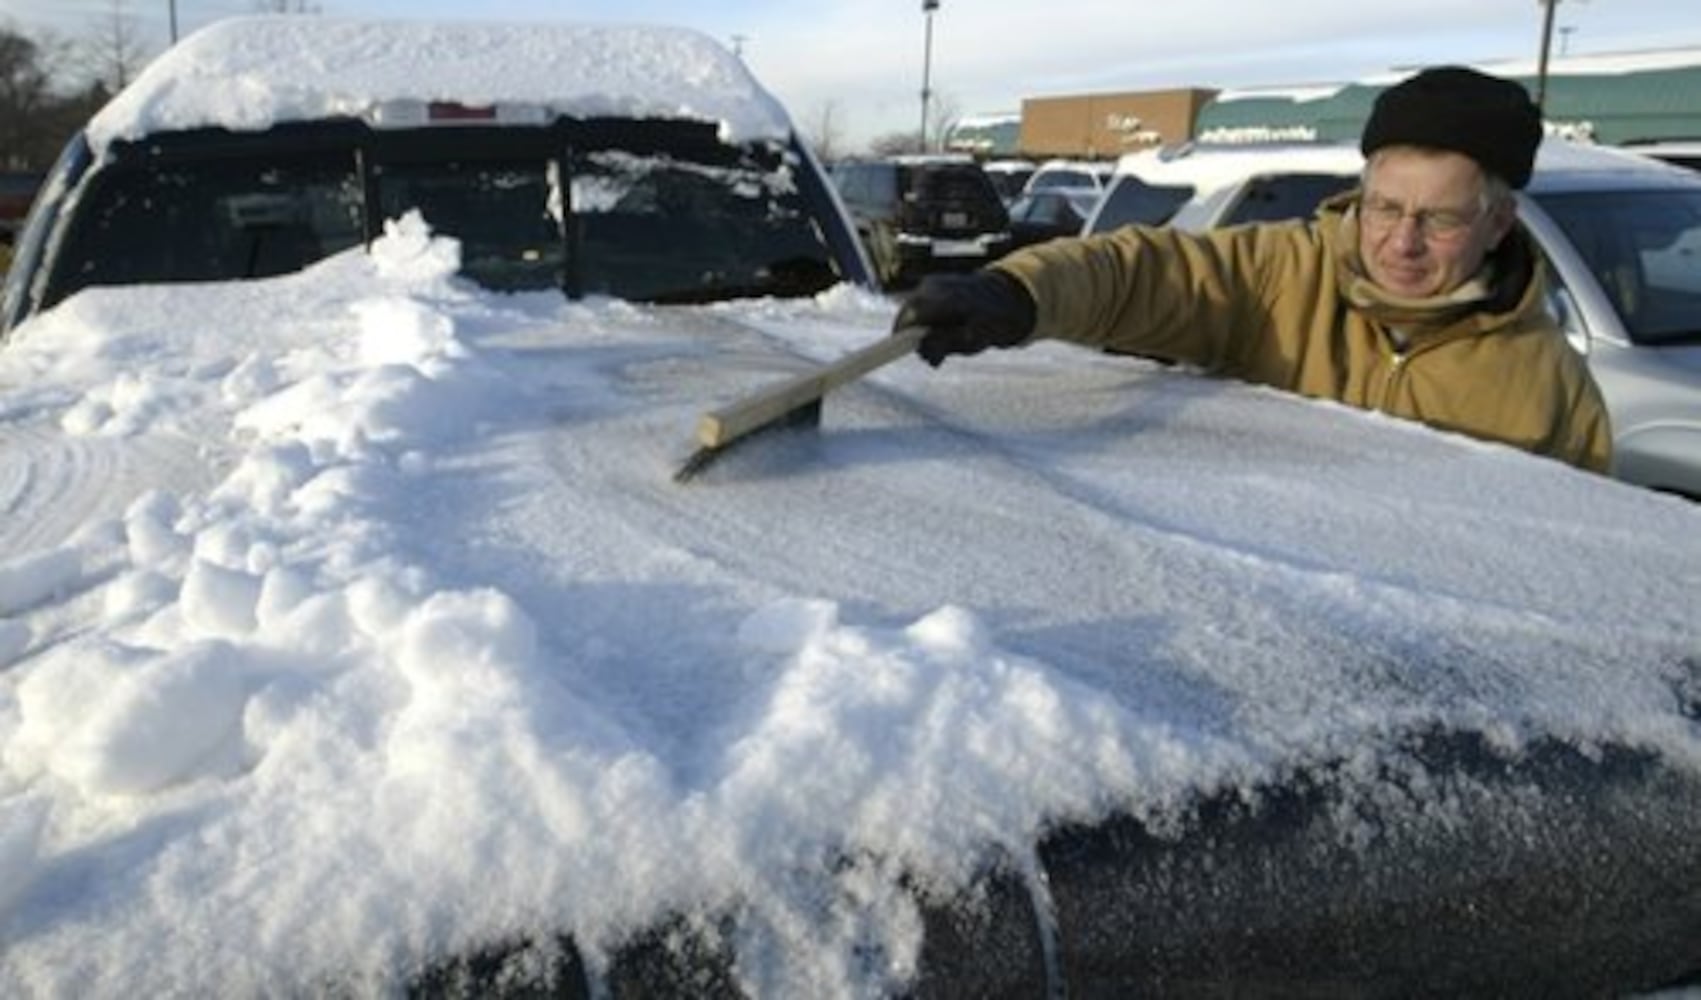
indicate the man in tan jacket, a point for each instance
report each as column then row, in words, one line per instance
column 1417, row 295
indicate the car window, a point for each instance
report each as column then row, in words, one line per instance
column 1009, row 183
column 964, row 186
column 1033, row 208
column 1063, row 177
column 211, row 220
column 1286, row 196
column 1131, row 201
column 882, row 184
column 668, row 228
column 1644, row 247
column 500, row 210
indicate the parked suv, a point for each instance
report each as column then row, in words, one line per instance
column 918, row 214
column 1621, row 234
column 1090, row 175
column 544, row 189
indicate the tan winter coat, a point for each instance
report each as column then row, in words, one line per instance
column 1287, row 305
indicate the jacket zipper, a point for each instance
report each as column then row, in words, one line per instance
column 1396, row 366
column 1399, row 349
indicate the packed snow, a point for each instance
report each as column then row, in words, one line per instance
column 353, row 619
column 249, row 73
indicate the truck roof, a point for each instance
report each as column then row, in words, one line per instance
column 249, row 73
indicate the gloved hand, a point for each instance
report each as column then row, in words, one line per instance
column 967, row 313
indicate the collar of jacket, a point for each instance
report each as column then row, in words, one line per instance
column 1505, row 284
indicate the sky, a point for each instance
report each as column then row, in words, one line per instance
column 355, row 617
column 853, row 68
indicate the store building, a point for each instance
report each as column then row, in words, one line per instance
column 1609, row 98
column 1104, row 126
column 1084, row 126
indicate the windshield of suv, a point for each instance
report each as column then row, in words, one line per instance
column 1645, row 249
column 1062, row 177
column 1132, row 202
column 1280, row 197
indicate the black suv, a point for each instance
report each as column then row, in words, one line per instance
column 918, row 214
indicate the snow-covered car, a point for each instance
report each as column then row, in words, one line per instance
column 592, row 179
column 356, row 639
column 1621, row 235
column 1197, row 186
column 1091, row 175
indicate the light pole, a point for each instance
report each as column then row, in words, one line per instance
column 927, row 9
column 1547, row 43
column 172, row 4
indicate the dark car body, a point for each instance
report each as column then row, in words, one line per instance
column 1042, row 215
column 920, row 214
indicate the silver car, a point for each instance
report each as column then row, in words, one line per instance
column 1622, row 234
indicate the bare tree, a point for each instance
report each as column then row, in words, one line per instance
column 824, row 133
column 895, row 143
column 947, row 112
column 37, row 115
column 24, row 94
column 114, row 52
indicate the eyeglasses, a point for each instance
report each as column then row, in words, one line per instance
column 1437, row 224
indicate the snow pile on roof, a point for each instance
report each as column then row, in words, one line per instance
column 250, row 73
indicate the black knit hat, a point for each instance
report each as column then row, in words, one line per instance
column 1489, row 119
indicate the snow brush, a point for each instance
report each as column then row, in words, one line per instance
column 793, row 402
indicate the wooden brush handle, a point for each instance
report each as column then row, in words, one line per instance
column 767, row 406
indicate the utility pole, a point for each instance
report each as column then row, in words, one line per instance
column 1548, row 7
column 927, row 9
column 172, row 4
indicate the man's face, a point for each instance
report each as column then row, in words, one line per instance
column 1424, row 226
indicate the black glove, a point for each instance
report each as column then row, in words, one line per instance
column 967, row 313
